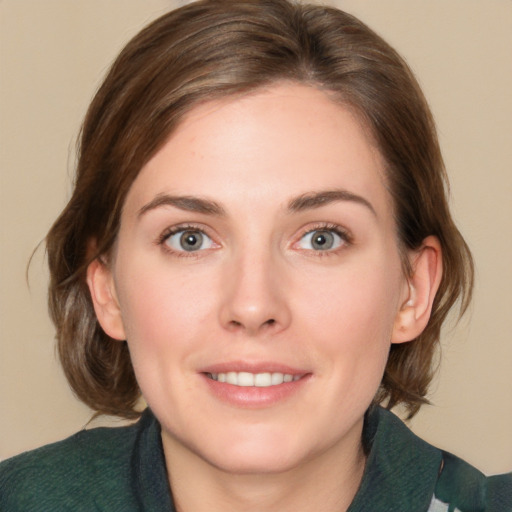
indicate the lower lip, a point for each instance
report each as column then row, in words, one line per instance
column 253, row 397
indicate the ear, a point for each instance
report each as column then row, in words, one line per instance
column 104, row 299
column 416, row 305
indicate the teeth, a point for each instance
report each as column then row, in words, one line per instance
column 263, row 380
column 246, row 379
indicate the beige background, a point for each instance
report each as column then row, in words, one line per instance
column 53, row 55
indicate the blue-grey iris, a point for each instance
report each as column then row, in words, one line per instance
column 191, row 240
column 322, row 240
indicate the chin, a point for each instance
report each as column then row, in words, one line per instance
column 253, row 462
column 259, row 453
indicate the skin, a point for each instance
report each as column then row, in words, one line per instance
column 258, row 292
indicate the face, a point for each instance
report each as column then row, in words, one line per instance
column 258, row 280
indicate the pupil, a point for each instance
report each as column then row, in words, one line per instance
column 323, row 240
column 320, row 240
column 191, row 240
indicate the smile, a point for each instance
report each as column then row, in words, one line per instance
column 247, row 379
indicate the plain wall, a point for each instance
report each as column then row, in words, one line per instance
column 53, row 56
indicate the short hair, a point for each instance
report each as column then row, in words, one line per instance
column 214, row 49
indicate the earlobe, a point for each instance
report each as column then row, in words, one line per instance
column 101, row 286
column 415, row 310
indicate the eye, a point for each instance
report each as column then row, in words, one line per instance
column 188, row 240
column 321, row 240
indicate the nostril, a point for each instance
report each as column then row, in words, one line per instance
column 253, row 327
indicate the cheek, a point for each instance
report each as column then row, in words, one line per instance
column 350, row 314
column 162, row 308
column 164, row 314
column 354, row 301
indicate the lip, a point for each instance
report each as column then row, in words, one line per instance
column 254, row 397
column 253, row 367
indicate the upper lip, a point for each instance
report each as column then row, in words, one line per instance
column 253, row 367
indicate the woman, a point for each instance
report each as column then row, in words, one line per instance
column 259, row 243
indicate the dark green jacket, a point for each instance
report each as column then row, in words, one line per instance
column 123, row 469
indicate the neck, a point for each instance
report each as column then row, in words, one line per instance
column 330, row 478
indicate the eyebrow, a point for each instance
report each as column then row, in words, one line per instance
column 307, row 201
column 187, row 203
column 313, row 200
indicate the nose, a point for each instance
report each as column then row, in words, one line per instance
column 254, row 296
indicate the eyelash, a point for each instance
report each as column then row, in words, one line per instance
column 344, row 234
column 167, row 233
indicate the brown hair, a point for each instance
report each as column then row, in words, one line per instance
column 216, row 48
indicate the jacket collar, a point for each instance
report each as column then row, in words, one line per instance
column 149, row 473
column 401, row 470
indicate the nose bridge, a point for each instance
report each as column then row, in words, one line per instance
column 254, row 298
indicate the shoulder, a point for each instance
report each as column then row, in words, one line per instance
column 424, row 475
column 64, row 473
column 465, row 488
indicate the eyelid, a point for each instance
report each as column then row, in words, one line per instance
column 179, row 228
column 345, row 235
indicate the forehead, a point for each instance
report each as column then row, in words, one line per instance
column 286, row 139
